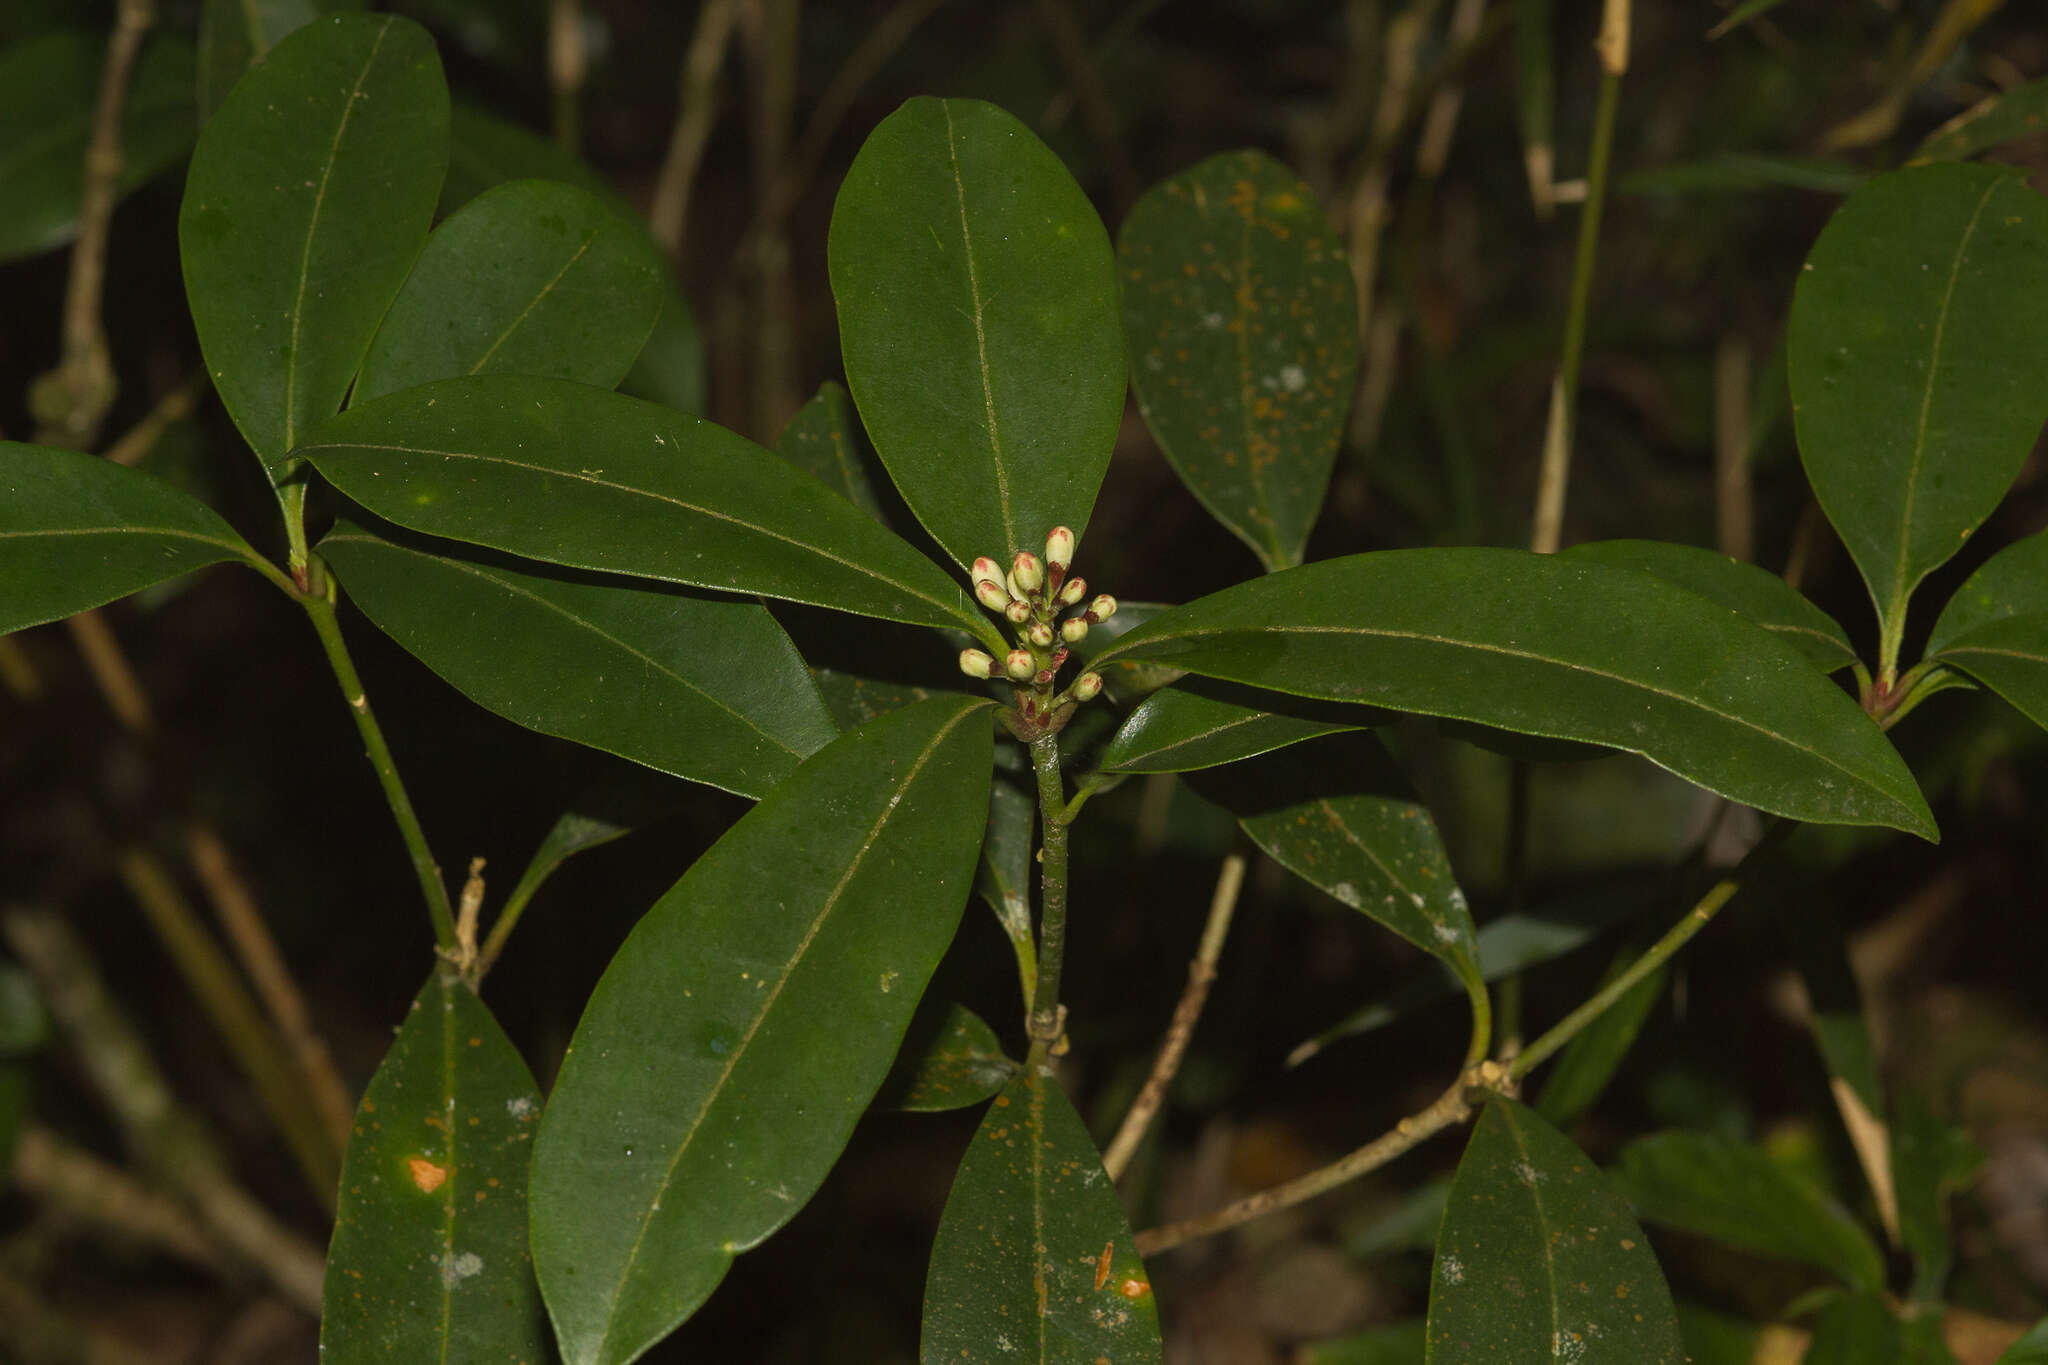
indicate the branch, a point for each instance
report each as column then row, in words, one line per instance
column 695, row 111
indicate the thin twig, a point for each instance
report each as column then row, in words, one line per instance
column 1047, row 1019
column 17, row 672
column 771, row 33
column 242, row 921
column 696, row 111
column 174, row 406
column 103, row 1196
column 1734, row 519
column 1070, row 45
column 110, row 670
column 1201, row 972
column 567, row 67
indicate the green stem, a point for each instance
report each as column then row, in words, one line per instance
column 320, row 608
column 1482, row 1019
column 508, row 918
column 1044, row 1023
column 1090, row 785
column 292, row 499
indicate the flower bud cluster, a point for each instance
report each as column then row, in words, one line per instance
column 1033, row 594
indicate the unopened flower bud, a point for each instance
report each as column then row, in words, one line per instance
column 1059, row 548
column 1074, row 591
column 1040, row 634
column 976, row 664
column 1074, row 630
column 1027, row 572
column 1017, row 663
column 991, row 594
column 1059, row 656
column 1087, row 687
column 986, row 570
column 1101, row 609
column 1018, row 612
column 1043, row 678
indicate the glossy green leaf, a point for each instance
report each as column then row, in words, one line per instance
column 670, row 370
column 1744, row 173
column 532, row 277
column 429, row 1258
column 235, row 33
column 309, row 196
column 1713, row 1338
column 1003, row 879
column 1338, row 814
column 977, row 319
column 706, row 688
column 573, row 475
column 1735, row 1194
column 1921, row 1338
column 1034, row 1261
column 1567, row 649
column 610, row 808
column 1581, row 1073
column 1242, row 323
column 77, row 531
column 2031, row 1349
column 741, row 1031
column 2008, row 116
column 48, row 87
column 1996, row 626
column 1178, row 730
column 1401, row 1344
column 1754, row 593
column 854, row 700
column 824, row 440
column 1931, row 1160
column 1915, row 352
column 484, row 151
column 950, row 1059
column 1539, row 1260
column 1856, row 1329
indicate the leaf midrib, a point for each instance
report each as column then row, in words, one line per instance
column 1189, row 740
column 988, row 396
column 582, row 248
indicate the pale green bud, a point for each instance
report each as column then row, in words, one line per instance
column 1017, row 663
column 976, row 664
column 1073, row 631
column 1087, row 687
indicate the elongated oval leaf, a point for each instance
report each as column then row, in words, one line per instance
column 1539, row 1261
column 48, row 87
column 1916, row 349
column 2031, row 1349
column 1580, row 1074
column 1996, row 626
column 977, row 318
column 1856, row 1329
column 744, row 1026
column 705, row 688
column 233, row 34
column 1178, row 730
column 824, row 441
column 77, row 531
column 532, row 277
column 950, row 1059
column 1242, row 323
column 429, row 1258
column 1737, row 1195
column 1338, row 814
column 573, row 475
column 2005, row 117
column 1545, row 646
column 1755, row 593
column 1034, row 1261
column 309, row 196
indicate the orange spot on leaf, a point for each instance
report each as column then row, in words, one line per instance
column 426, row 1174
column 1102, row 1264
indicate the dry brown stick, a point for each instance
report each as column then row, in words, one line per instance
column 165, row 1137
column 110, row 670
column 105, row 1197
column 1201, row 972
column 696, row 111
column 73, row 399
column 174, row 406
column 771, row 38
column 1734, row 518
column 242, row 922
column 567, row 66
column 17, row 672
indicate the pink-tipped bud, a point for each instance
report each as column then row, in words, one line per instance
column 1087, row 687
column 986, row 570
column 1026, row 572
column 1017, row 663
column 976, row 664
column 1059, row 656
column 1018, row 612
column 1073, row 631
column 1059, row 549
column 991, row 594
column 1040, row 634
column 1074, row 591
column 1100, row 610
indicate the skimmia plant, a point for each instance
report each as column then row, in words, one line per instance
column 434, row 406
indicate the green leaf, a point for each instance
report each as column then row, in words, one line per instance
column 484, row 150
column 1178, row 730
column 1034, row 1261
column 429, row 1257
column 670, row 370
column 1713, row 1338
column 705, row 688
column 1855, row 1329
column 950, row 1059
column 1757, row 594
column 1539, row 1260
column 824, row 440
column 1339, row 815
column 1737, row 1195
column 1242, row 323
column 48, row 88
column 1003, row 878
column 1582, row 1071
column 2005, row 117
column 608, row 809
column 854, row 700
column 1930, row 1160
column 1996, row 626
column 233, row 34
column 1401, row 1344
column 532, row 277
column 77, row 531
column 573, row 475
column 1562, row 648
column 1744, row 173
column 2031, row 1349
column 977, row 320
column 1915, row 352
column 740, row 1032
column 309, row 196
